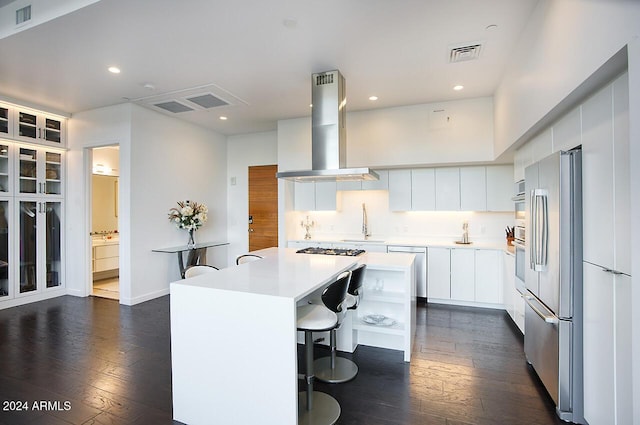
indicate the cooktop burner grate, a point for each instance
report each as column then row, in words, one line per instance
column 331, row 251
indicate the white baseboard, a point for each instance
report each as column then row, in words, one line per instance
column 145, row 297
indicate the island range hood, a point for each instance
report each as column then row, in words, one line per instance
column 328, row 134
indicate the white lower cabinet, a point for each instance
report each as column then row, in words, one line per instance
column 511, row 297
column 465, row 276
column 488, row 276
column 607, row 347
column 438, row 273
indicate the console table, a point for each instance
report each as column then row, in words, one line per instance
column 195, row 255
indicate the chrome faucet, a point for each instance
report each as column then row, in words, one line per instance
column 365, row 225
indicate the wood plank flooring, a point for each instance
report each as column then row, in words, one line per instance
column 112, row 364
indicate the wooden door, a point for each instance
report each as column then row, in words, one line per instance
column 263, row 207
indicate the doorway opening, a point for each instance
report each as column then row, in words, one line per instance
column 105, row 235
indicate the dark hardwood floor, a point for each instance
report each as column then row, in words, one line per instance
column 96, row 362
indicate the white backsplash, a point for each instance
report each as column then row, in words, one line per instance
column 384, row 224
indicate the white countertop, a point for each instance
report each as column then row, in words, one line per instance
column 416, row 242
column 284, row 273
column 281, row 273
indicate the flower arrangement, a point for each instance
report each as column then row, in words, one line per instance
column 190, row 216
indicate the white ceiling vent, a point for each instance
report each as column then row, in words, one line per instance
column 173, row 107
column 23, row 15
column 207, row 100
column 464, row 52
column 190, row 100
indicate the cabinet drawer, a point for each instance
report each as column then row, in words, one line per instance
column 106, row 264
column 106, row 251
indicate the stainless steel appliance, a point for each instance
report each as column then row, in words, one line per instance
column 331, row 251
column 329, row 134
column 553, row 279
column 421, row 266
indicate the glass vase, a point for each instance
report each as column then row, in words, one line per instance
column 191, row 243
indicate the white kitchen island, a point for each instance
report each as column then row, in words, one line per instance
column 233, row 333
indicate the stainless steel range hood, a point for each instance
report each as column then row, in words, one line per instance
column 328, row 134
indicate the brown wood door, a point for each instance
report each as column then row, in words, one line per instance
column 263, row 207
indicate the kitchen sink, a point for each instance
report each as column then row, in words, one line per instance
column 362, row 240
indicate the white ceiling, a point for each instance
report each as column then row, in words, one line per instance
column 261, row 54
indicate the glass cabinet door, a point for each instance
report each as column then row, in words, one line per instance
column 4, row 248
column 28, row 218
column 53, row 170
column 4, row 120
column 52, row 130
column 27, row 125
column 28, row 171
column 53, row 234
column 4, row 169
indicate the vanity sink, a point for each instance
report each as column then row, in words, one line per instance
column 362, row 240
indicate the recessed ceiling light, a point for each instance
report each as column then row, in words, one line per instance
column 458, row 87
column 114, row 70
column 223, row 118
column 491, row 27
column 372, row 98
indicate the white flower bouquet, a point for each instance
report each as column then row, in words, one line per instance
column 189, row 216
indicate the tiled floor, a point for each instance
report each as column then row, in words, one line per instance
column 112, row 364
column 107, row 288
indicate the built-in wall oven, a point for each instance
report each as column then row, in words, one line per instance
column 519, row 234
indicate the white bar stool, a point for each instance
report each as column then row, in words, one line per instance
column 334, row 369
column 198, row 270
column 247, row 258
column 314, row 407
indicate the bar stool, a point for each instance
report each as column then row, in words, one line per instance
column 247, row 258
column 198, row 270
column 314, row 407
column 334, row 369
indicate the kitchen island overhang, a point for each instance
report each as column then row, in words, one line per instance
column 231, row 328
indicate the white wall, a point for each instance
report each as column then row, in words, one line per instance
column 99, row 127
column 171, row 161
column 244, row 151
column 162, row 160
column 564, row 43
column 384, row 224
column 420, row 135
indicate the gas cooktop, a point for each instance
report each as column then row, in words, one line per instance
column 331, row 251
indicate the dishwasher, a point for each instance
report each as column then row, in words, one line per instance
column 421, row 266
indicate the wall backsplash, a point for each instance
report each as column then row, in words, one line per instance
column 347, row 221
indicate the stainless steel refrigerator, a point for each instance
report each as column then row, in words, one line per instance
column 553, row 278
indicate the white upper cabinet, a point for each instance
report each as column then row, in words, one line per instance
column 349, row 185
column 326, row 196
column 473, row 189
column 566, row 132
column 606, row 176
column 319, row 196
column 448, row 189
column 6, row 121
column 36, row 127
column 32, row 126
column 400, row 190
column 500, row 188
column 423, row 189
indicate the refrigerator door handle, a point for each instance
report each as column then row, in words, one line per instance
column 549, row 318
column 532, row 242
column 541, row 230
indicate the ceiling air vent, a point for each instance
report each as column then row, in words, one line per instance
column 465, row 52
column 207, row 101
column 173, row 106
